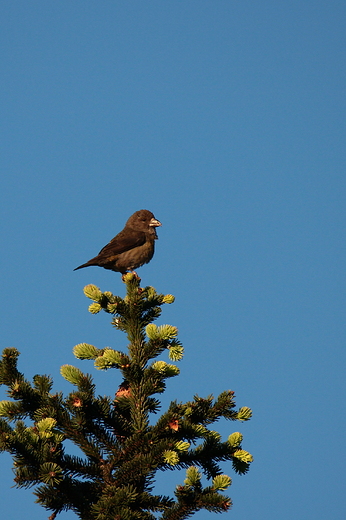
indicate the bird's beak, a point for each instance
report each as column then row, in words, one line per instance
column 155, row 223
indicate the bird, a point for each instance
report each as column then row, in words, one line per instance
column 132, row 247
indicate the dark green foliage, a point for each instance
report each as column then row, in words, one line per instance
column 122, row 448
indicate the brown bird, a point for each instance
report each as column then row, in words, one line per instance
column 132, row 247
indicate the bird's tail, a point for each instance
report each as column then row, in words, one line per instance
column 88, row 264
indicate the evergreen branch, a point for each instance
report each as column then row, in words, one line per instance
column 121, row 452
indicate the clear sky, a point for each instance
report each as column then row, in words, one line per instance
column 227, row 120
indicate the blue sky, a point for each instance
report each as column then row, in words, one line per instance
column 227, row 120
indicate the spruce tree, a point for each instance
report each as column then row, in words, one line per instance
column 122, row 443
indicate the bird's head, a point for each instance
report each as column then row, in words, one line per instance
column 143, row 220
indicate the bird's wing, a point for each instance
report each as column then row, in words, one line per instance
column 124, row 241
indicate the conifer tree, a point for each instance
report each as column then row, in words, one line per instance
column 122, row 442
